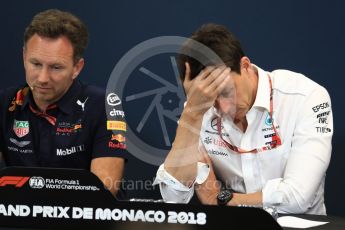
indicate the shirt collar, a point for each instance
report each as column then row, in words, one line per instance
column 65, row 104
column 27, row 99
column 262, row 98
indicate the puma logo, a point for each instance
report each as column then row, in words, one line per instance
column 82, row 104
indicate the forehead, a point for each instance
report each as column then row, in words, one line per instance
column 49, row 49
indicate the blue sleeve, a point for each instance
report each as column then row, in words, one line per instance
column 2, row 117
column 110, row 139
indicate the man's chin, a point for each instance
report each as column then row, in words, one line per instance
column 43, row 98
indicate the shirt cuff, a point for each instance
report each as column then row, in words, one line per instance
column 173, row 190
column 271, row 195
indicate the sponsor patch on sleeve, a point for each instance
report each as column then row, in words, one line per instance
column 116, row 125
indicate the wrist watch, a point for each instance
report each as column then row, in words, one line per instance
column 224, row 196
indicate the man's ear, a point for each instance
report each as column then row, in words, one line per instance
column 77, row 68
column 245, row 63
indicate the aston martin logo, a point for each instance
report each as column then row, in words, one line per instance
column 20, row 144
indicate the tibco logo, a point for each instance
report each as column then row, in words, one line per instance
column 36, row 182
column 17, row 181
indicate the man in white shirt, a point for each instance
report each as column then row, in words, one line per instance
column 247, row 136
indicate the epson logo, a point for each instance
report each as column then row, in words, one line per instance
column 320, row 107
column 69, row 151
column 36, row 182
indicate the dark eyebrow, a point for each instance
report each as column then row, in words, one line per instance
column 33, row 59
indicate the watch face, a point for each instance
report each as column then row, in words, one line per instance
column 224, row 197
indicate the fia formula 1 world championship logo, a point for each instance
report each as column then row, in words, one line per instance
column 147, row 81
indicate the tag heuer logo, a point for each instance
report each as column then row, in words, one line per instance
column 21, row 128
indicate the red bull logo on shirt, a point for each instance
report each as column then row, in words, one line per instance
column 118, row 138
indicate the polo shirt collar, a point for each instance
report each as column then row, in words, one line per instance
column 67, row 102
column 262, row 98
column 28, row 100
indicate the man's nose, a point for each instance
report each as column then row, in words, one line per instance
column 43, row 76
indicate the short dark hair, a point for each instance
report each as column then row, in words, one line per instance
column 220, row 40
column 55, row 23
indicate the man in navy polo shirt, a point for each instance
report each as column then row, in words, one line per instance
column 55, row 120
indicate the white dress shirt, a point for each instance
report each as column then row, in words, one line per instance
column 291, row 176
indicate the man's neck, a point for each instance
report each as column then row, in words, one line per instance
column 42, row 106
column 255, row 77
column 242, row 124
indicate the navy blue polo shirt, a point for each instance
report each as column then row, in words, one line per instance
column 70, row 134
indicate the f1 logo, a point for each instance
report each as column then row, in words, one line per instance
column 18, row 181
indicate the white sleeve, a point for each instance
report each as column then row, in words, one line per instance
column 173, row 190
column 308, row 160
